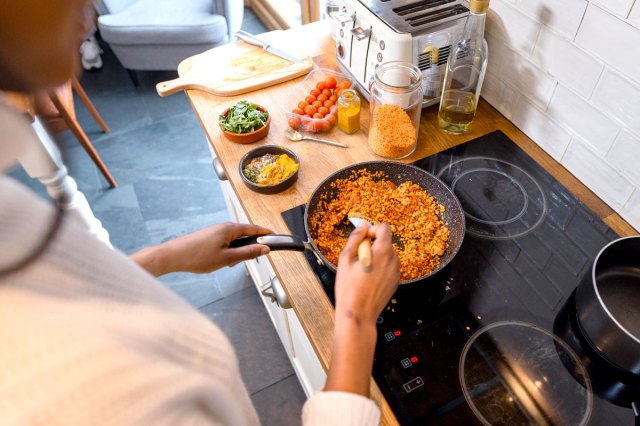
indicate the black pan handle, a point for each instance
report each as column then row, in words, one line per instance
column 273, row 241
column 635, row 406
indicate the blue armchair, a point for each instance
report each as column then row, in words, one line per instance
column 159, row 34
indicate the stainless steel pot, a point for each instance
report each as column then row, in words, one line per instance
column 608, row 304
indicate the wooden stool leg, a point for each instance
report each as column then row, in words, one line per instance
column 87, row 102
column 83, row 139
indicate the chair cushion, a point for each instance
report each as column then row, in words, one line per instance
column 164, row 22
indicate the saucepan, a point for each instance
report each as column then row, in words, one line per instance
column 397, row 173
column 608, row 307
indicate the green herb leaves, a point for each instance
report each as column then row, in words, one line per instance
column 244, row 117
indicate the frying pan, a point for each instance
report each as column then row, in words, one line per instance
column 397, row 173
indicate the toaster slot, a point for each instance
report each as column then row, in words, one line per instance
column 425, row 60
column 420, row 6
column 427, row 18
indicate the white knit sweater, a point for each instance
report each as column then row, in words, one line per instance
column 87, row 337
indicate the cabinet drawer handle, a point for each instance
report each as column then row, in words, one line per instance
column 217, row 167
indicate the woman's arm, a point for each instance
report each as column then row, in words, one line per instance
column 361, row 295
column 202, row 251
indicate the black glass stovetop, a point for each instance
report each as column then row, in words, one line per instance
column 528, row 243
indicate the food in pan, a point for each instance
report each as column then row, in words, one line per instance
column 270, row 169
column 420, row 235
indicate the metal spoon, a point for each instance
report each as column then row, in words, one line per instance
column 296, row 136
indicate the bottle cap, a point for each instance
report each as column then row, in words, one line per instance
column 478, row 6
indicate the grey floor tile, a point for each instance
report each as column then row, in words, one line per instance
column 112, row 77
column 198, row 290
column 194, row 192
column 119, row 212
column 244, row 319
column 280, row 404
column 161, row 230
column 231, row 280
column 121, row 110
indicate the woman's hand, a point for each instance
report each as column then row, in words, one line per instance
column 202, row 251
column 361, row 295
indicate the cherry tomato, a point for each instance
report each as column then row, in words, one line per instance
column 330, row 82
column 315, row 92
column 323, row 110
column 322, row 97
column 320, row 86
column 326, row 92
column 344, row 85
column 328, row 103
column 310, row 110
column 298, row 111
column 333, row 98
column 317, row 115
column 302, row 105
column 312, row 126
column 310, row 99
column 294, row 122
column 316, row 104
column 332, row 119
column 327, row 124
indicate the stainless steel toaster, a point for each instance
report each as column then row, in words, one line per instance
column 371, row 32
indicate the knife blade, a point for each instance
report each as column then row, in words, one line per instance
column 245, row 36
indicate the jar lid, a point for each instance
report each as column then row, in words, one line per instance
column 478, row 6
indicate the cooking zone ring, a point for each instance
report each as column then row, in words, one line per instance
column 501, row 201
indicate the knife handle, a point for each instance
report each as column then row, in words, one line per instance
column 245, row 36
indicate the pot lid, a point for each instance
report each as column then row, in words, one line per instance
column 516, row 373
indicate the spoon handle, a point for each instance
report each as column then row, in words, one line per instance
column 341, row 145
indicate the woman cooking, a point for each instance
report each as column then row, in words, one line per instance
column 88, row 336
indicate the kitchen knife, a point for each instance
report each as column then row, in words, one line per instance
column 245, row 36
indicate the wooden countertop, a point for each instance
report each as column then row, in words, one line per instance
column 318, row 161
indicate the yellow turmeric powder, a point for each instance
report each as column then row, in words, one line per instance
column 277, row 171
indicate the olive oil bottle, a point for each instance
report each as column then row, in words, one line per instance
column 465, row 72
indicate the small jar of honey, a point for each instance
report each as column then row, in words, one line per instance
column 349, row 111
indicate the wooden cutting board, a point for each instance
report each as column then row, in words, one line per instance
column 233, row 69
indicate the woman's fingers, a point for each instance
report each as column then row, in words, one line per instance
column 248, row 229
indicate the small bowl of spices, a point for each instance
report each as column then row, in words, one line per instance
column 269, row 169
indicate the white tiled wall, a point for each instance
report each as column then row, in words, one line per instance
column 567, row 73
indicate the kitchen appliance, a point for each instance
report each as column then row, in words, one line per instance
column 372, row 32
column 528, row 243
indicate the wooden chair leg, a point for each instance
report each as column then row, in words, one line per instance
column 87, row 102
column 83, row 139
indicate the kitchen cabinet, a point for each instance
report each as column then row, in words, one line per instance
column 293, row 337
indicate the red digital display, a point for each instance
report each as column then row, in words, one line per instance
column 397, row 333
column 414, row 359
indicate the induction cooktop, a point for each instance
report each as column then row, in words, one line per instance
column 528, row 243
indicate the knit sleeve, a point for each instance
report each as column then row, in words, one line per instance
column 340, row 409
